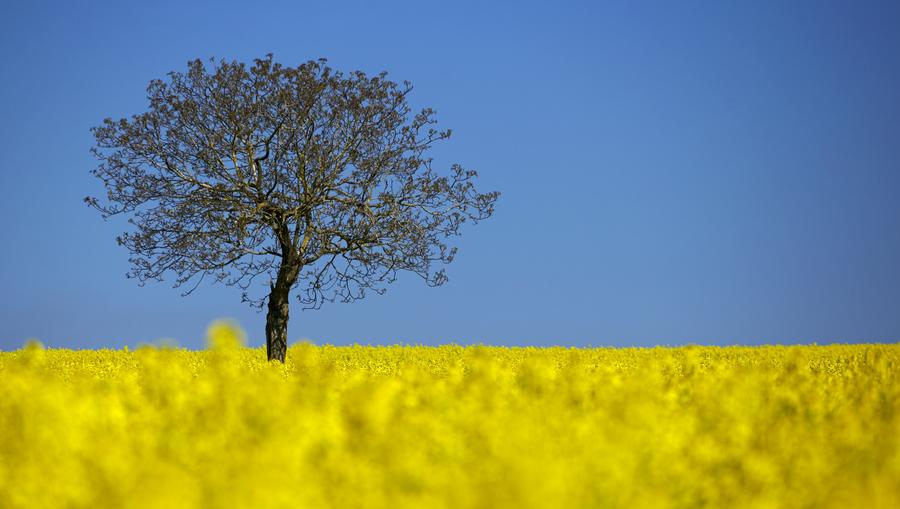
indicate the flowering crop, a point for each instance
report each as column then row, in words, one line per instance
column 450, row 426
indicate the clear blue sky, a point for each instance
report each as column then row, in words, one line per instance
column 672, row 172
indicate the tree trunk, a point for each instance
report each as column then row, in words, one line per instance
column 279, row 308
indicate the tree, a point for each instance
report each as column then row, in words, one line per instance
column 305, row 176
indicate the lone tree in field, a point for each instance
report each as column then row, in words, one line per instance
column 303, row 176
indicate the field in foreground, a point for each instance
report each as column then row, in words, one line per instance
column 393, row 427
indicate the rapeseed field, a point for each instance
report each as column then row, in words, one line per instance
column 450, row 427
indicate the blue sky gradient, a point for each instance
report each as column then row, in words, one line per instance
column 672, row 172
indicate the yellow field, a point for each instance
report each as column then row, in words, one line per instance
column 455, row 427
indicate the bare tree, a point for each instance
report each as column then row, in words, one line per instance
column 300, row 176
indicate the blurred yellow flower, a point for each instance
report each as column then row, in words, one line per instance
column 450, row 426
